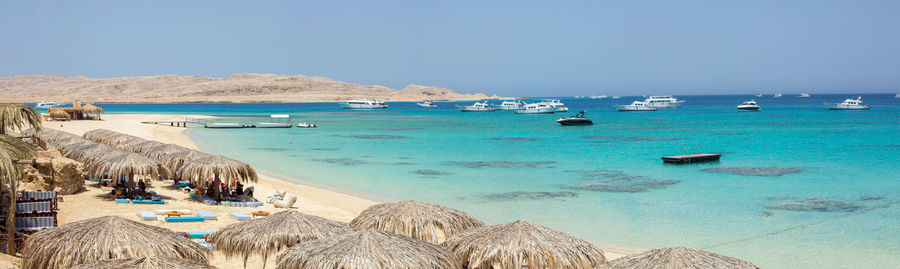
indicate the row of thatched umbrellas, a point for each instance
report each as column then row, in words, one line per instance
column 405, row 234
column 119, row 155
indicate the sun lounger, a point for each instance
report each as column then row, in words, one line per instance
column 198, row 235
column 207, row 215
column 184, row 219
column 205, row 244
column 209, row 201
column 34, row 223
column 182, row 211
column 287, row 202
column 34, row 207
column 146, row 215
column 239, row 215
column 122, row 201
column 148, row 202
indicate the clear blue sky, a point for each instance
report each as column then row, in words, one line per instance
column 512, row 48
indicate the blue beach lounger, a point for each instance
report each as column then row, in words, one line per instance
column 239, row 215
column 160, row 202
column 122, row 201
column 207, row 215
column 198, row 235
column 146, row 215
column 184, row 219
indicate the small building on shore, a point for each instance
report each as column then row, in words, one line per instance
column 75, row 112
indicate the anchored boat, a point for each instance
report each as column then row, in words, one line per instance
column 478, row 107
column 635, row 106
column 363, row 104
column 577, row 119
column 749, row 106
column 848, row 104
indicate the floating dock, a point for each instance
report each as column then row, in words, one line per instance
column 692, row 158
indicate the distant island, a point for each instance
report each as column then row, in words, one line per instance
column 235, row 88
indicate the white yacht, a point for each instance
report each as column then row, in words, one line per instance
column 427, row 103
column 663, row 101
column 363, row 104
column 556, row 105
column 777, row 95
column 848, row 104
column 478, row 107
column 749, row 106
column 635, row 106
column 510, row 105
column 598, row 96
column 46, row 104
column 536, row 108
column 616, row 97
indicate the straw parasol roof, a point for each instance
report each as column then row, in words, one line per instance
column 274, row 233
column 165, row 151
column 225, row 169
column 142, row 147
column 426, row 222
column 678, row 258
column 522, row 245
column 366, row 249
column 145, row 263
column 105, row 238
column 84, row 151
column 111, row 138
column 89, row 108
column 97, row 135
column 118, row 164
column 59, row 114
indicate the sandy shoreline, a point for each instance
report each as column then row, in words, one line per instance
column 312, row 200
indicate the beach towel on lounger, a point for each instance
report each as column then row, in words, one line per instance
column 239, row 215
column 146, row 215
column 207, row 215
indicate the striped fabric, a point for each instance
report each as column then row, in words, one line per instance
column 29, row 207
column 39, row 195
column 34, row 223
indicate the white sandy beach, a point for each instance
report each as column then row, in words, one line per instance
column 312, row 200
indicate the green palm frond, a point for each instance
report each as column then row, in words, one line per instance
column 18, row 117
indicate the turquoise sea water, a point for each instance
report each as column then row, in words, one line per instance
column 798, row 186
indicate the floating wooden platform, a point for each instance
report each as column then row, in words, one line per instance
column 692, row 158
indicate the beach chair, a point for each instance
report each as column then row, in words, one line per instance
column 239, row 216
column 198, row 235
column 205, row 244
column 207, row 215
column 146, row 215
column 122, row 201
column 29, row 223
column 287, row 202
column 185, row 219
column 34, row 206
column 26, row 196
column 150, row 202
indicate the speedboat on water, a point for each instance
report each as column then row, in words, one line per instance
column 427, row 103
column 556, row 105
column 363, row 104
column 536, row 108
column 848, row 104
column 478, row 107
column 577, row 119
column 804, row 95
column 635, row 106
column 748, row 106
column 510, row 105
column 46, row 104
column 663, row 101
column 307, row 125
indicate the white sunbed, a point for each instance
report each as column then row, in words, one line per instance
column 146, row 215
column 207, row 215
column 239, row 216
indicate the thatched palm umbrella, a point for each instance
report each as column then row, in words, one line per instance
column 84, row 152
column 142, row 147
column 146, row 263
column 426, row 222
column 678, row 258
column 217, row 168
column 522, row 245
column 366, row 249
column 98, row 135
column 92, row 109
column 177, row 161
column 59, row 114
column 111, row 138
column 271, row 234
column 119, row 164
column 165, row 151
column 105, row 238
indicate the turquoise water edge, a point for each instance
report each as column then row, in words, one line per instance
column 798, row 186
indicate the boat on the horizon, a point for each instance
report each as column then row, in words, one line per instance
column 635, row 106
column 510, row 105
column 663, row 101
column 307, row 125
column 759, row 95
column 363, row 104
column 616, row 97
column 536, row 108
column 749, row 106
column 478, row 107
column 804, row 95
column 427, row 103
column 777, row 95
column 577, row 119
column 598, row 96
column 848, row 104
column 278, row 121
column 897, row 95
column 46, row 104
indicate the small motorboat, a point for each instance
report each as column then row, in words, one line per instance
column 307, row 125
column 478, row 107
column 46, row 104
column 577, row 119
column 804, row 95
column 635, row 106
column 428, row 104
column 848, row 104
column 749, row 106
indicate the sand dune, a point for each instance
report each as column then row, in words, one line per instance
column 235, row 88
